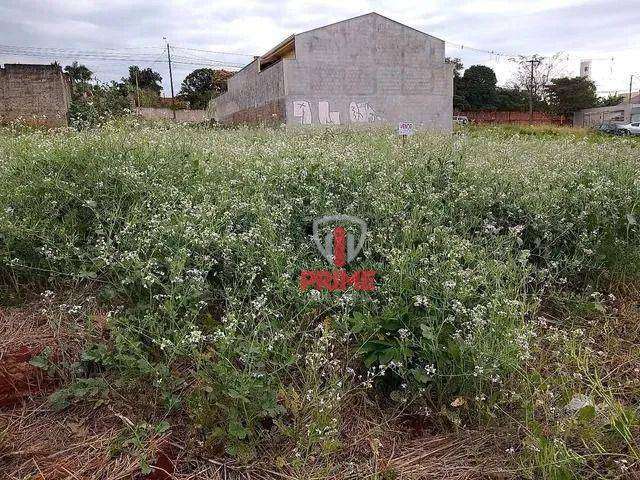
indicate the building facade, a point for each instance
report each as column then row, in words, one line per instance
column 623, row 113
column 362, row 71
column 36, row 94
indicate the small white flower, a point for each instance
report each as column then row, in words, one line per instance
column 450, row 284
column 403, row 333
column 430, row 369
column 420, row 301
column 517, row 230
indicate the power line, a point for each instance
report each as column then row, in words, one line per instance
column 196, row 60
column 157, row 59
column 103, row 53
column 17, row 53
column 96, row 55
column 115, row 53
column 142, row 55
column 213, row 51
column 512, row 57
column 480, row 50
column 122, row 59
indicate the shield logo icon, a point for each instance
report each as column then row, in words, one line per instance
column 338, row 246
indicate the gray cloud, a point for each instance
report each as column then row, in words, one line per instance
column 583, row 28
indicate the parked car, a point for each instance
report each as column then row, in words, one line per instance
column 460, row 119
column 630, row 128
column 610, row 128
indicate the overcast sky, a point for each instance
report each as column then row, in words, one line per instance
column 132, row 31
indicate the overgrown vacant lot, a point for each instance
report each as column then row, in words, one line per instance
column 150, row 276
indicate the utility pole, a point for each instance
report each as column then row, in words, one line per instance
column 534, row 61
column 137, row 89
column 630, row 93
column 173, row 100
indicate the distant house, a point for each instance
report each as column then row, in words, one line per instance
column 635, row 97
column 364, row 70
column 622, row 113
column 36, row 94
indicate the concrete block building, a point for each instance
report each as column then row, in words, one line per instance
column 361, row 71
column 36, row 94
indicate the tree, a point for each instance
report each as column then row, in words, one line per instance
column 202, row 85
column 459, row 102
column 512, row 99
column 458, row 66
column 568, row 95
column 479, row 84
column 544, row 68
column 611, row 100
column 78, row 73
column 147, row 79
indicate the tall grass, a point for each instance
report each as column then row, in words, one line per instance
column 197, row 237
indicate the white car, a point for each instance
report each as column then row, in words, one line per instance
column 630, row 128
column 460, row 119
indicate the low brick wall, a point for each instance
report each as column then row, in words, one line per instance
column 182, row 116
column 34, row 94
column 488, row 116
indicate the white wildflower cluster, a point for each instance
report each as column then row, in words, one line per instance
column 449, row 284
column 165, row 344
column 71, row 309
column 421, row 301
column 48, row 294
column 194, row 337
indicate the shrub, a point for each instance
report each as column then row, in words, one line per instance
column 97, row 104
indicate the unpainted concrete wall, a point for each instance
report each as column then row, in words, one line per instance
column 622, row 113
column 366, row 70
column 252, row 96
column 36, row 94
column 369, row 69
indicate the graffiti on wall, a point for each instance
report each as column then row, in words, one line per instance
column 327, row 117
column 302, row 110
column 359, row 112
column 362, row 113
